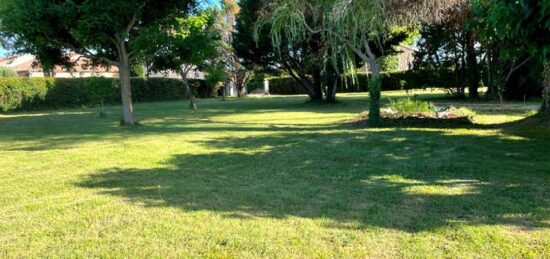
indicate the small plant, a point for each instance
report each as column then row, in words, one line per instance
column 410, row 105
column 403, row 85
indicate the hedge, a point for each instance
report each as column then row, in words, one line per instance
column 17, row 94
column 390, row 81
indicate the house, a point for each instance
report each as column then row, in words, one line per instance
column 192, row 74
column 406, row 57
column 27, row 66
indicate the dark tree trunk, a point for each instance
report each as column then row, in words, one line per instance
column 375, row 89
column 490, row 78
column 472, row 66
column 545, row 109
column 188, row 91
column 224, row 91
column 243, row 83
column 332, row 84
column 302, row 79
column 126, row 90
column 317, row 86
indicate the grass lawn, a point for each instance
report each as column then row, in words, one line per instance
column 271, row 177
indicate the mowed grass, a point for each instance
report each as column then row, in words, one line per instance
column 271, row 177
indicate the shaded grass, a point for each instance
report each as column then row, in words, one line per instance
column 270, row 177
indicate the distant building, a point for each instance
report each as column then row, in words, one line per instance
column 192, row 74
column 406, row 57
column 27, row 66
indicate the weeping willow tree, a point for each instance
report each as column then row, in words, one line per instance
column 351, row 28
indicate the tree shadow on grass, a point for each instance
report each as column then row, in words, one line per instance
column 407, row 180
column 65, row 130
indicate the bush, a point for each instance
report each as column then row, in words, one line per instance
column 409, row 105
column 256, row 82
column 390, row 63
column 42, row 93
column 399, row 80
column 6, row 72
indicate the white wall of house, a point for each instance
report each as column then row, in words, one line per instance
column 36, row 74
column 85, row 74
column 194, row 74
column 406, row 58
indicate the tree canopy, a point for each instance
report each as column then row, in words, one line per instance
column 103, row 31
column 517, row 26
column 349, row 28
column 184, row 45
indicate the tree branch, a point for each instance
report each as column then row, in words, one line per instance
column 515, row 68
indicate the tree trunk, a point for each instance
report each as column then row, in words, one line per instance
column 224, row 92
column 126, row 91
column 471, row 64
column 545, row 109
column 317, row 86
column 243, row 84
column 490, row 79
column 375, row 89
column 332, row 84
column 302, row 79
column 190, row 95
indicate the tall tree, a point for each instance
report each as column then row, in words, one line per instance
column 236, row 74
column 451, row 44
column 299, row 58
column 518, row 26
column 185, row 45
column 349, row 28
column 104, row 31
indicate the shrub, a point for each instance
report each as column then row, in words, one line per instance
column 43, row 93
column 6, row 72
column 256, row 82
column 399, row 80
column 389, row 63
column 409, row 105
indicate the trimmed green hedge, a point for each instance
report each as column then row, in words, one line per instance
column 18, row 94
column 390, row 81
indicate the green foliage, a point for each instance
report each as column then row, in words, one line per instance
column 107, row 33
column 410, row 105
column 137, row 70
column 389, row 63
column 6, row 72
column 520, row 30
column 259, row 52
column 215, row 76
column 515, row 25
column 347, row 31
column 256, row 81
column 46, row 93
column 187, row 43
column 399, row 80
column 49, row 28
